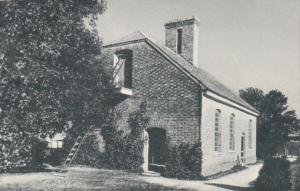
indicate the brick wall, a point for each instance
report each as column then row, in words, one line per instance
column 174, row 103
column 172, row 98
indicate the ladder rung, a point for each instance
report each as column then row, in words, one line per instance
column 74, row 149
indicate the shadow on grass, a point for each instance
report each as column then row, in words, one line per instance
column 231, row 187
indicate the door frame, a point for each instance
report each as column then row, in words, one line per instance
column 145, row 165
column 149, row 164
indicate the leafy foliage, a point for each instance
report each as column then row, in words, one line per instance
column 51, row 75
column 89, row 153
column 184, row 161
column 27, row 155
column 54, row 156
column 275, row 121
column 253, row 96
column 275, row 175
column 122, row 150
column 295, row 171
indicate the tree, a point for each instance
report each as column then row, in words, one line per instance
column 275, row 121
column 51, row 75
column 275, row 175
column 253, row 96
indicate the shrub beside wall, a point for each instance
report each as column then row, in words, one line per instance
column 275, row 175
column 122, row 151
column 125, row 150
column 184, row 162
column 89, row 153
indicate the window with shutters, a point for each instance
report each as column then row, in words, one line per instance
column 122, row 71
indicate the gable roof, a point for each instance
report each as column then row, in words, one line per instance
column 206, row 80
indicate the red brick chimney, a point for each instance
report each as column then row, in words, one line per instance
column 182, row 37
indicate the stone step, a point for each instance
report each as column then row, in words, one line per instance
column 151, row 173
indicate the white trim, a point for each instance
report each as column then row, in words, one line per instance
column 146, row 151
column 124, row 91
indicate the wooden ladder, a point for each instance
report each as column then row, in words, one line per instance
column 74, row 150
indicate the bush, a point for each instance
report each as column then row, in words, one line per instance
column 25, row 154
column 184, row 162
column 275, row 175
column 126, row 151
column 122, row 151
column 38, row 152
column 54, row 156
column 89, row 153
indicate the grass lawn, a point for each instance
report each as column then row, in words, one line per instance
column 79, row 179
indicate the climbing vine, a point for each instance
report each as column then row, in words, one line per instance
column 125, row 151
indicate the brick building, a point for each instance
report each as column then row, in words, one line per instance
column 184, row 103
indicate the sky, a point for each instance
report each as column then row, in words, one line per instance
column 243, row 43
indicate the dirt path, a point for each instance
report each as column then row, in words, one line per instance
column 239, row 181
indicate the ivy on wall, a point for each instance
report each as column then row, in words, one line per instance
column 122, row 150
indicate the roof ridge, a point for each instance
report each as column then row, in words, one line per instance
column 134, row 36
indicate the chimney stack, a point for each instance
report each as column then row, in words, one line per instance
column 182, row 38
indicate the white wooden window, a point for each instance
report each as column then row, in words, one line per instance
column 218, row 130
column 250, row 134
column 122, row 71
column 232, row 132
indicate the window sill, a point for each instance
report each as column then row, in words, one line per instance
column 123, row 91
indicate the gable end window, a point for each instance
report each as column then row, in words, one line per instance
column 232, row 132
column 218, row 130
column 122, row 71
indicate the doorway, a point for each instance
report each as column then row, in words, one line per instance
column 157, row 147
